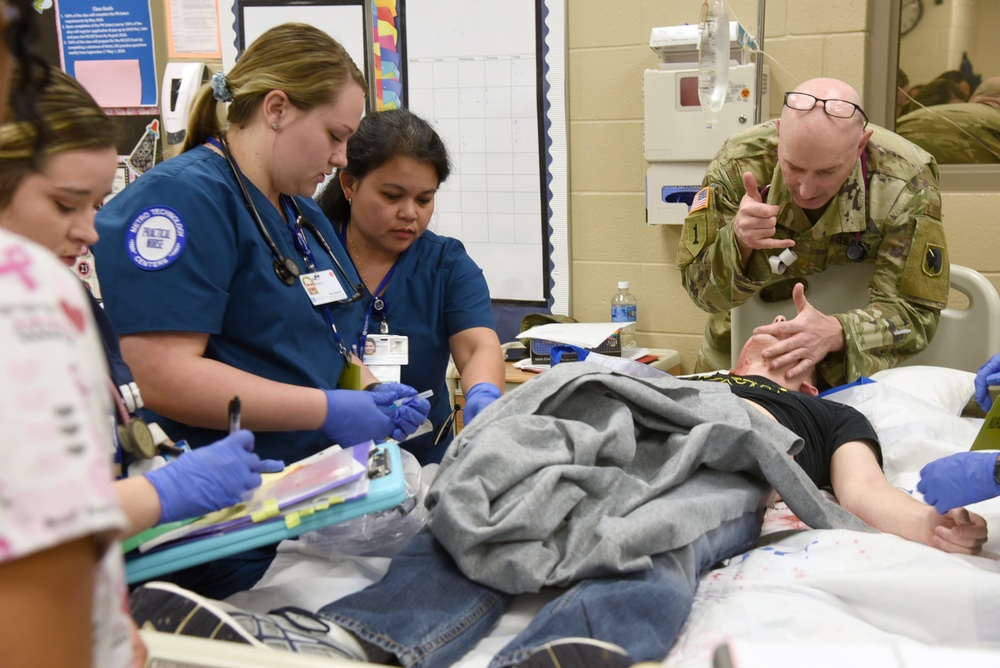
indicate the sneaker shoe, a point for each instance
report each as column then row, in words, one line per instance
column 167, row 608
column 577, row 653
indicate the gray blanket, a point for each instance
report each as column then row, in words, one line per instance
column 585, row 472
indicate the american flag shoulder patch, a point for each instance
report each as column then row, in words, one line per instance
column 700, row 200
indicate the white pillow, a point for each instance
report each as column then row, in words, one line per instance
column 949, row 389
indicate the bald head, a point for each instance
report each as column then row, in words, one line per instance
column 817, row 151
column 816, row 119
column 988, row 92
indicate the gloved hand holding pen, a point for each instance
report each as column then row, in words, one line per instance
column 959, row 479
column 210, row 478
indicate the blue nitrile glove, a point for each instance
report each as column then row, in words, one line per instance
column 408, row 415
column 210, row 478
column 958, row 480
column 989, row 374
column 479, row 397
column 354, row 416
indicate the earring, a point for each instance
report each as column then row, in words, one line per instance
column 274, row 126
column 349, row 201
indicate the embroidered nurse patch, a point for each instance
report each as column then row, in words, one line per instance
column 155, row 239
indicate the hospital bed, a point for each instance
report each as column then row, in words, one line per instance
column 876, row 598
column 966, row 337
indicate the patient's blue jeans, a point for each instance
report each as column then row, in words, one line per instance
column 427, row 613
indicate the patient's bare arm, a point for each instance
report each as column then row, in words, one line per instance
column 861, row 488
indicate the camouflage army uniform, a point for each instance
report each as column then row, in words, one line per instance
column 967, row 133
column 898, row 216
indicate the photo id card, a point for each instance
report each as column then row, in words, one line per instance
column 322, row 287
column 386, row 349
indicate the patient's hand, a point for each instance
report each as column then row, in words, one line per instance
column 960, row 531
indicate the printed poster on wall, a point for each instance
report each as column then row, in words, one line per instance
column 108, row 47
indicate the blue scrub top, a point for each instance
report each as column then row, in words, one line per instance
column 218, row 279
column 436, row 291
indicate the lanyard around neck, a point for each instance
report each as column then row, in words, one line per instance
column 298, row 234
column 299, row 238
column 377, row 306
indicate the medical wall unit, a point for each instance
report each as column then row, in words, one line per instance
column 679, row 137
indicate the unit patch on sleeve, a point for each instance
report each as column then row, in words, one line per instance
column 156, row 238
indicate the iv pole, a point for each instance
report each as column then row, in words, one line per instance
column 759, row 61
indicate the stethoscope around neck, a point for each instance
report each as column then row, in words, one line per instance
column 856, row 250
column 286, row 268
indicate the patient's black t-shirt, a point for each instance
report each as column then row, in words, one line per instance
column 823, row 425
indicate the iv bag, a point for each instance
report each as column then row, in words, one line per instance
column 713, row 59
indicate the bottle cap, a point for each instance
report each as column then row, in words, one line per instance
column 623, row 285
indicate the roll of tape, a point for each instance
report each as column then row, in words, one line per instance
column 788, row 257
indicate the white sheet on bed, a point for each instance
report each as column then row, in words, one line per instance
column 802, row 586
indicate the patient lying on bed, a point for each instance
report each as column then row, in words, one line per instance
column 435, row 604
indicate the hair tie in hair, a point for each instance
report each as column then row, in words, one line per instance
column 220, row 88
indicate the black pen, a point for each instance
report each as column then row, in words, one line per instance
column 234, row 415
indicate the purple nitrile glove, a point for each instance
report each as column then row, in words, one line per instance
column 479, row 397
column 989, row 374
column 210, row 478
column 400, row 402
column 958, row 480
column 355, row 416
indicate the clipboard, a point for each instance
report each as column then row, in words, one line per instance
column 988, row 437
column 387, row 488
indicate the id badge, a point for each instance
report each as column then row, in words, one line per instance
column 322, row 287
column 387, row 349
column 385, row 355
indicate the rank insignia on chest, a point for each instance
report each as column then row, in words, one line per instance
column 933, row 260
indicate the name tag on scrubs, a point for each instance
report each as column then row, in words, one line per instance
column 322, row 287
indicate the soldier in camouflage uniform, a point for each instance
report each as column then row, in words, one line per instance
column 966, row 133
column 829, row 186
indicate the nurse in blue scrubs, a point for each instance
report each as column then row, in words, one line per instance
column 418, row 285
column 203, row 262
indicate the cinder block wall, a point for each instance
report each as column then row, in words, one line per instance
column 608, row 42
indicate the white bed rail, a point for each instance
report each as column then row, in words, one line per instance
column 965, row 338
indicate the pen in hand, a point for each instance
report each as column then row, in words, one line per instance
column 234, row 415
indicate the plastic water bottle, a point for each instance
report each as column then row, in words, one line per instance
column 713, row 59
column 623, row 309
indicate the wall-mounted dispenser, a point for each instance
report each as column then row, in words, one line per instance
column 678, row 140
column 181, row 81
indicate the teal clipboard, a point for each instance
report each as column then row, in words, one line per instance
column 384, row 492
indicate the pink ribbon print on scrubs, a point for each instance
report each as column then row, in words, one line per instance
column 17, row 261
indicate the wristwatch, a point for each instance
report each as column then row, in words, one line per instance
column 996, row 471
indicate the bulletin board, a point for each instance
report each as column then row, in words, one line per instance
column 341, row 19
column 490, row 76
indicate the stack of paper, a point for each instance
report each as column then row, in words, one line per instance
column 582, row 334
column 335, row 475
